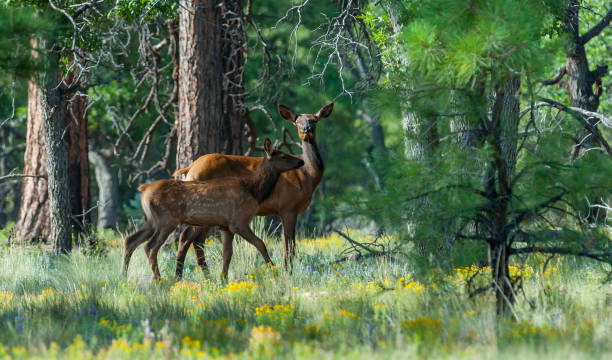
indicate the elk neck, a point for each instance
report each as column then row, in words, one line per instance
column 262, row 181
column 313, row 162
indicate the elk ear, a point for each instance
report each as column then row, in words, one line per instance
column 268, row 148
column 286, row 113
column 325, row 111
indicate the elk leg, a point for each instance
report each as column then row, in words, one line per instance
column 185, row 240
column 228, row 251
column 289, row 221
column 133, row 241
column 152, row 248
column 199, row 240
column 191, row 235
column 248, row 235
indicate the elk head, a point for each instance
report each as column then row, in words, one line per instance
column 279, row 160
column 306, row 123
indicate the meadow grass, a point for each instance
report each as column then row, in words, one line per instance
column 79, row 307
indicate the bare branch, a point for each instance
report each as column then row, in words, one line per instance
column 555, row 79
column 598, row 28
column 17, row 176
column 580, row 114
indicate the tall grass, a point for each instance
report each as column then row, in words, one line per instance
column 80, row 307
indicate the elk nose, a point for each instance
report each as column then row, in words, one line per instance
column 300, row 163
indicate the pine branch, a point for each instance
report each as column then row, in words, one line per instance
column 598, row 28
column 529, row 213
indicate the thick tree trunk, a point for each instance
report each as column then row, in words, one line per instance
column 56, row 147
column 108, row 191
column 210, row 79
column 33, row 221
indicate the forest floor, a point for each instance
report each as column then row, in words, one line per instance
column 79, row 307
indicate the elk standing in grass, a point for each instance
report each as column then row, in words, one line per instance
column 292, row 195
column 229, row 203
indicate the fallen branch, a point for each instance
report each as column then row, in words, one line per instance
column 356, row 245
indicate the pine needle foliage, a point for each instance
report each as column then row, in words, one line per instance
column 512, row 189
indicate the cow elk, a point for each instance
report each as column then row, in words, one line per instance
column 229, row 203
column 292, row 195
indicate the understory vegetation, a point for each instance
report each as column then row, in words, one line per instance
column 79, row 307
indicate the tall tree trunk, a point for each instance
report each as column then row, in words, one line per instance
column 78, row 164
column 210, row 79
column 33, row 221
column 580, row 83
column 420, row 131
column 56, row 147
column 234, row 55
column 108, row 190
column 580, row 79
column 503, row 137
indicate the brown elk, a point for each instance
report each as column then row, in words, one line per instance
column 292, row 195
column 229, row 203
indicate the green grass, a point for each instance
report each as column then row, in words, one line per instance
column 349, row 310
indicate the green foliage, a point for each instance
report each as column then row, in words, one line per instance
column 447, row 62
column 18, row 26
column 144, row 10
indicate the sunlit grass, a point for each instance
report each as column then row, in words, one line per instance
column 80, row 307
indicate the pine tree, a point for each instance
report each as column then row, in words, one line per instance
column 512, row 190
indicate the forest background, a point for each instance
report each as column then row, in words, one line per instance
column 476, row 133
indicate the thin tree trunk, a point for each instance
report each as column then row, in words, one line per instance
column 503, row 137
column 108, row 191
column 210, row 80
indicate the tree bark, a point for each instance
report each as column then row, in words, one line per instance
column 56, row 146
column 580, row 79
column 78, row 164
column 33, row 221
column 420, row 134
column 211, row 87
column 580, row 83
column 108, row 191
column 503, row 136
column 234, row 55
